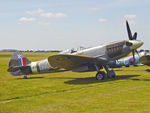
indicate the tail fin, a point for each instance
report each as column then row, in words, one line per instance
column 17, row 61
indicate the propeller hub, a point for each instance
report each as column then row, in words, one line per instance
column 135, row 44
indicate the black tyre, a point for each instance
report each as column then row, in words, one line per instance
column 100, row 75
column 111, row 74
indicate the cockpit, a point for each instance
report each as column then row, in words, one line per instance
column 70, row 51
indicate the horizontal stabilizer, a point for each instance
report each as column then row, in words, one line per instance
column 16, row 68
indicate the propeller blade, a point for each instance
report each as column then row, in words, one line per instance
column 134, row 36
column 137, row 52
column 133, row 51
column 129, row 31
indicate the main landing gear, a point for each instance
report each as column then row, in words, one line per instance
column 101, row 74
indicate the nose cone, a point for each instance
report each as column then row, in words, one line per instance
column 135, row 44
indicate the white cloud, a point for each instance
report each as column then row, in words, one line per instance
column 25, row 19
column 60, row 15
column 131, row 16
column 43, row 23
column 102, row 20
column 38, row 11
column 132, row 22
column 42, row 13
column 53, row 15
column 94, row 9
column 47, row 15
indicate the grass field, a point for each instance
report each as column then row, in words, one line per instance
column 68, row 92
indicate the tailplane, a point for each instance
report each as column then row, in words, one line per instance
column 17, row 62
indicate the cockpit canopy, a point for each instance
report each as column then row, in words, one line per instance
column 70, row 51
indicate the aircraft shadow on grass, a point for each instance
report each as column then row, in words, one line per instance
column 133, row 70
column 31, row 78
column 91, row 80
column 141, row 79
column 148, row 70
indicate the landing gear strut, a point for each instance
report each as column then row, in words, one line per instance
column 101, row 74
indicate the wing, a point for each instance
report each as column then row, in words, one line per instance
column 72, row 61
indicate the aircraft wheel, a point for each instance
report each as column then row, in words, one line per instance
column 100, row 75
column 25, row 77
column 111, row 74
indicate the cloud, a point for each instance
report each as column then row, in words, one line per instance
column 132, row 22
column 94, row 9
column 38, row 11
column 42, row 13
column 52, row 15
column 131, row 16
column 60, row 15
column 43, row 23
column 102, row 20
column 25, row 19
column 47, row 15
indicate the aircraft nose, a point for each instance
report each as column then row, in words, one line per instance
column 135, row 44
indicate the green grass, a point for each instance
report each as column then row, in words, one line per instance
column 68, row 92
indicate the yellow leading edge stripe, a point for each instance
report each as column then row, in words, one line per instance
column 51, row 66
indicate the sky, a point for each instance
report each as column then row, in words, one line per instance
column 63, row 24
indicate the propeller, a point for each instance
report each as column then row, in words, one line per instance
column 134, row 37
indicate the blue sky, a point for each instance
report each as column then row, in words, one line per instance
column 62, row 24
